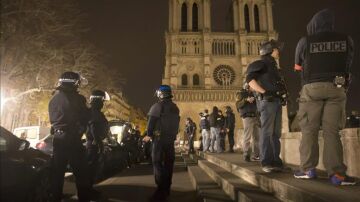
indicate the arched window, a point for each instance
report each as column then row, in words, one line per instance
column 247, row 18
column 184, row 80
column 195, row 26
column 257, row 19
column 196, row 80
column 184, row 17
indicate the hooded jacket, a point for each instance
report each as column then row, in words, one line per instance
column 322, row 22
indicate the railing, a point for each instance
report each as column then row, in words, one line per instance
column 223, row 44
column 204, row 95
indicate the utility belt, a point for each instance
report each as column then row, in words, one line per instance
column 338, row 81
column 249, row 114
column 268, row 98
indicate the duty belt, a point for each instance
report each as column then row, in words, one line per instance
column 269, row 98
column 249, row 114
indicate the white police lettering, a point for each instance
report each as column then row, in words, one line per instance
column 326, row 47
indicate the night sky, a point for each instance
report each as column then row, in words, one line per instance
column 131, row 35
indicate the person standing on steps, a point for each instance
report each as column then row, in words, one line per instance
column 264, row 77
column 230, row 127
column 324, row 59
column 246, row 106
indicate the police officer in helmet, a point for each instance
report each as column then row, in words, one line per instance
column 324, row 59
column 68, row 115
column 163, row 126
column 264, row 78
column 97, row 131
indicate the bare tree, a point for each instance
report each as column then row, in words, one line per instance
column 40, row 39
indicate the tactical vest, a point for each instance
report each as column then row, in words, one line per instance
column 169, row 121
column 326, row 57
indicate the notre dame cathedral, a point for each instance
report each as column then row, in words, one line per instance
column 209, row 44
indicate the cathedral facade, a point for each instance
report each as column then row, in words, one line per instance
column 205, row 65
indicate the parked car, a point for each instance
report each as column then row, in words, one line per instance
column 25, row 172
column 46, row 144
column 32, row 133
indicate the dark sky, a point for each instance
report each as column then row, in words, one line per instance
column 131, row 34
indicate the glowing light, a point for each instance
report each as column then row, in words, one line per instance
column 2, row 101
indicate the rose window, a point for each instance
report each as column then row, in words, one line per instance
column 224, row 75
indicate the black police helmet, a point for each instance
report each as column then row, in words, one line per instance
column 69, row 78
column 164, row 92
column 99, row 95
column 268, row 47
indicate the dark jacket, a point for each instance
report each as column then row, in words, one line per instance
column 98, row 127
column 221, row 121
column 204, row 123
column 230, row 120
column 164, row 117
column 322, row 23
column 68, row 111
column 214, row 120
column 190, row 129
column 265, row 72
column 245, row 108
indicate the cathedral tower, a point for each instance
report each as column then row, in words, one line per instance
column 205, row 62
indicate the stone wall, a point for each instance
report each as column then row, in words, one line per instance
column 350, row 139
column 290, row 143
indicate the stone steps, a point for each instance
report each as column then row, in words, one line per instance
column 223, row 168
column 235, row 187
column 206, row 188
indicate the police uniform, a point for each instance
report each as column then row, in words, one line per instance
column 248, row 113
column 163, row 127
column 267, row 74
column 68, row 115
column 322, row 56
column 97, row 131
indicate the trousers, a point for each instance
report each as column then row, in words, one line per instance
column 322, row 104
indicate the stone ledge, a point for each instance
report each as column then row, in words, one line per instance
column 284, row 185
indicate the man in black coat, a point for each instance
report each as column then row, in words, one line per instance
column 97, row 131
column 69, row 116
column 230, row 126
column 163, row 126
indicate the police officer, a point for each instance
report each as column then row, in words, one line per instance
column 97, row 131
column 68, row 115
column 230, row 126
column 190, row 130
column 264, row 77
column 205, row 131
column 163, row 126
column 246, row 106
column 324, row 58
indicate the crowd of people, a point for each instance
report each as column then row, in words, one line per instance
column 214, row 128
column 323, row 59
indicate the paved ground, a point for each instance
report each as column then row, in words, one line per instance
column 137, row 184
